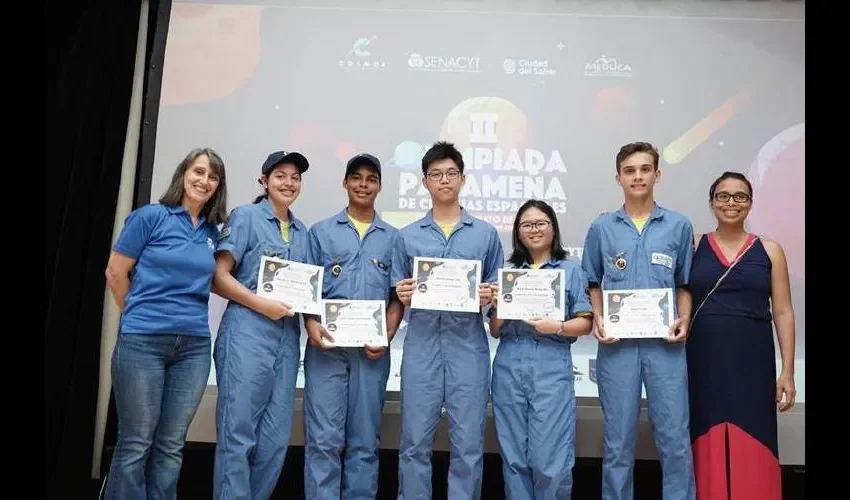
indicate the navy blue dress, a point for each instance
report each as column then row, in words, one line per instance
column 732, row 377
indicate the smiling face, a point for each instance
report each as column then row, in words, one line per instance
column 362, row 186
column 535, row 230
column 200, row 180
column 731, row 202
column 283, row 184
column 638, row 175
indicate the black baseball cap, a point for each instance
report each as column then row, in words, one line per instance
column 362, row 159
column 278, row 157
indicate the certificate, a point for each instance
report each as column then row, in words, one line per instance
column 446, row 284
column 293, row 283
column 636, row 314
column 355, row 323
column 531, row 293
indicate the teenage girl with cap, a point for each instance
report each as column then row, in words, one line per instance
column 257, row 350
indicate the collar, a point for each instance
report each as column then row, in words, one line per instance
column 178, row 209
column 548, row 264
column 428, row 220
column 377, row 222
column 657, row 212
column 266, row 208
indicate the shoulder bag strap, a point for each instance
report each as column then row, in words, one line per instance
column 722, row 277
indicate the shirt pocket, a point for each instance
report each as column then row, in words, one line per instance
column 338, row 268
column 613, row 274
column 379, row 267
column 662, row 265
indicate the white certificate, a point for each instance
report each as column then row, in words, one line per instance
column 293, row 283
column 636, row 314
column 355, row 323
column 446, row 284
column 531, row 293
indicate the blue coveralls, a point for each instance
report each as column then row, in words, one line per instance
column 256, row 362
column 446, row 362
column 658, row 257
column 344, row 390
column 534, row 400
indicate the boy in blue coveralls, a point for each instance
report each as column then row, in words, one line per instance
column 345, row 386
column 642, row 245
column 446, row 360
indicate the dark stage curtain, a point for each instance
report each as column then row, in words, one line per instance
column 89, row 59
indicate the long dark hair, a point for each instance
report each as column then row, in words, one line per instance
column 729, row 175
column 520, row 254
column 215, row 209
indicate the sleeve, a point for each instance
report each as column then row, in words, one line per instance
column 591, row 258
column 401, row 262
column 137, row 231
column 494, row 260
column 686, row 255
column 579, row 300
column 235, row 234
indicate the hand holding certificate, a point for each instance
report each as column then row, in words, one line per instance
column 293, row 283
column 531, row 293
column 638, row 314
column 355, row 323
column 446, row 284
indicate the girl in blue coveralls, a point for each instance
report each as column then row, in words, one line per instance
column 533, row 395
column 159, row 273
column 257, row 350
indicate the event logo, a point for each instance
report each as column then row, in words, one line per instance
column 528, row 67
column 444, row 64
column 607, row 66
column 501, row 173
column 361, row 56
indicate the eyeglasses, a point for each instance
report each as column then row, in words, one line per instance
column 540, row 225
column 436, row 175
column 724, row 197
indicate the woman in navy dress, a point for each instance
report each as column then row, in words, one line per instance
column 734, row 391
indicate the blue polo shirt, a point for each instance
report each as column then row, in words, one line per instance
column 364, row 265
column 658, row 257
column 576, row 297
column 175, row 263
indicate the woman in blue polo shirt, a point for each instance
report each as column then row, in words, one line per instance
column 159, row 273
column 257, row 350
column 533, row 395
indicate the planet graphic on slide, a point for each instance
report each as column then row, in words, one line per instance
column 320, row 143
column 407, row 155
column 778, row 176
column 510, row 129
column 212, row 50
column 611, row 105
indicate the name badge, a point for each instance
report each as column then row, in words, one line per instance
column 662, row 259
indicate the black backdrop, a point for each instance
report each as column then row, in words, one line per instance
column 89, row 57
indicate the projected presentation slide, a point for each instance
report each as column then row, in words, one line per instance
column 538, row 104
